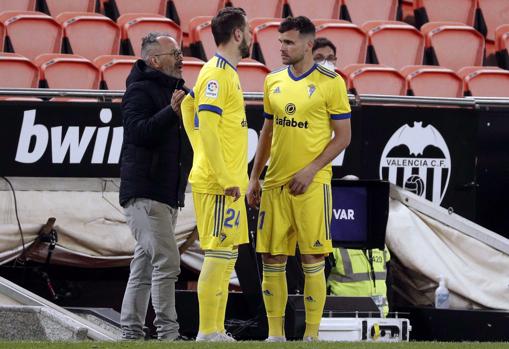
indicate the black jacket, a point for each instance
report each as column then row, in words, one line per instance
column 156, row 154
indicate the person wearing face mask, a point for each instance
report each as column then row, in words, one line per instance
column 324, row 53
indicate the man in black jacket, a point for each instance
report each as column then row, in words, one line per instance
column 154, row 167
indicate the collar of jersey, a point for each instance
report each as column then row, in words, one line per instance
column 297, row 78
column 224, row 59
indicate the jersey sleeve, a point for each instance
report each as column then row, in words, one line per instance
column 213, row 92
column 338, row 105
column 267, row 109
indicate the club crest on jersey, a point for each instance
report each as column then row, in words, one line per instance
column 311, row 90
column 212, row 89
column 277, row 90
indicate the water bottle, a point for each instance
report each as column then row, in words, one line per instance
column 442, row 295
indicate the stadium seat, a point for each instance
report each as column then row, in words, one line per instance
column 360, row 11
column 68, row 71
column 351, row 42
column 135, row 26
column 260, row 8
column 252, row 75
column 266, row 46
column 394, row 44
column 495, row 13
column 114, row 70
column 56, row 7
column 432, row 81
column 17, row 71
column 407, row 11
column 31, row 33
column 502, row 45
column 374, row 79
column 117, row 8
column 201, row 38
column 17, row 5
column 90, row 34
column 191, row 69
column 485, row 81
column 453, row 45
column 323, row 9
column 462, row 11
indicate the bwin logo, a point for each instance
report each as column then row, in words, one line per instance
column 417, row 158
column 34, row 139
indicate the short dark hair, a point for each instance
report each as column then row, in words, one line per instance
column 302, row 24
column 225, row 22
column 323, row 42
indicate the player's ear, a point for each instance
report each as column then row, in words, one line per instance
column 237, row 34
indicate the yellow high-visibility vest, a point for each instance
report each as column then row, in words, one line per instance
column 353, row 275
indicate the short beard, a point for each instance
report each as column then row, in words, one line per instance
column 244, row 49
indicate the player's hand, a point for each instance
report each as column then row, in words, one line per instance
column 301, row 180
column 176, row 100
column 234, row 192
column 253, row 193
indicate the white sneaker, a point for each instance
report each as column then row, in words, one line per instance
column 215, row 337
column 310, row 339
column 275, row 339
column 225, row 337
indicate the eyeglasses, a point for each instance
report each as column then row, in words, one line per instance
column 175, row 53
column 329, row 58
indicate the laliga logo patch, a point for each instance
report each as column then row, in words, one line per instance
column 212, row 89
column 417, row 158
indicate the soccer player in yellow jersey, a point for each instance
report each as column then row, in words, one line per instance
column 307, row 124
column 215, row 121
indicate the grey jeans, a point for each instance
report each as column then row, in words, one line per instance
column 154, row 269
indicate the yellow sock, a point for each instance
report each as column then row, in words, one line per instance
column 275, row 295
column 314, row 296
column 221, row 311
column 210, row 290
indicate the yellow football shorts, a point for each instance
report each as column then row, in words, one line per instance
column 285, row 220
column 221, row 222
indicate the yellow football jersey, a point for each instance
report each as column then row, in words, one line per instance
column 217, row 94
column 302, row 108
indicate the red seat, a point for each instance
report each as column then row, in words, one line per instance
column 122, row 7
column 90, row 34
column 191, row 69
column 432, row 81
column 135, row 26
column 453, row 45
column 407, row 11
column 68, row 71
column 56, row 7
column 374, row 79
column 502, row 45
column 114, row 70
column 323, row 9
column 361, row 11
column 495, row 13
column 252, row 75
column 17, row 5
column 462, row 11
column 201, row 38
column 266, row 46
column 32, row 33
column 351, row 42
column 485, row 81
column 260, row 8
column 396, row 44
column 17, row 71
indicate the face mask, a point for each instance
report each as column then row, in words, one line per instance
column 327, row 64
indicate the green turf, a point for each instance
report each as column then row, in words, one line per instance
column 247, row 345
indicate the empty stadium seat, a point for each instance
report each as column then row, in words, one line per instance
column 135, row 26
column 252, row 75
column 395, row 44
column 17, row 71
column 407, row 11
column 462, row 11
column 260, row 8
column 502, row 45
column 31, row 33
column 495, row 13
column 90, row 34
column 432, row 81
column 201, row 38
column 453, row 45
column 56, row 7
column 351, row 42
column 17, row 5
column 266, row 46
column 485, row 81
column 68, row 71
column 323, row 9
column 114, row 70
column 360, row 11
column 191, row 69
column 117, row 8
column 374, row 79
